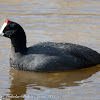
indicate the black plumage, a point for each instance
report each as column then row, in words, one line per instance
column 47, row 56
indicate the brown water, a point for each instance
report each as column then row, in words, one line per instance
column 74, row 21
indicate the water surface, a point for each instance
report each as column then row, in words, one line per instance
column 73, row 21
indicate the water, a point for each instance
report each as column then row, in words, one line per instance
column 73, row 21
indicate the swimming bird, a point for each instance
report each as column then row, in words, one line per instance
column 46, row 56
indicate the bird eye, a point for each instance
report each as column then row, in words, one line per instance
column 8, row 29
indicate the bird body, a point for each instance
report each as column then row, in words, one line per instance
column 51, row 56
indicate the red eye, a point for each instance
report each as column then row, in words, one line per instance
column 8, row 29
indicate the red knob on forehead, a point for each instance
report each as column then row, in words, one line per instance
column 7, row 21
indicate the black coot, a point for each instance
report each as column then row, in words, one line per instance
column 47, row 56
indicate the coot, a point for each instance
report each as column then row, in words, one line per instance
column 46, row 56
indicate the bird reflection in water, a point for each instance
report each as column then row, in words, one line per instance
column 23, row 80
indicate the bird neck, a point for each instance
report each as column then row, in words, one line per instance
column 19, row 43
